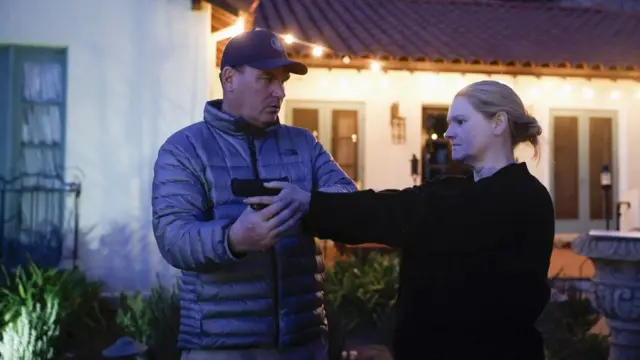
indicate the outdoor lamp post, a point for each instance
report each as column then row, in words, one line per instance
column 605, row 183
column 415, row 173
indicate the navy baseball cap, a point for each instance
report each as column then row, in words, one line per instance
column 260, row 49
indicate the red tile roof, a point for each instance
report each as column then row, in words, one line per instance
column 459, row 31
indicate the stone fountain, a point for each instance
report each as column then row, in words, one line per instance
column 616, row 286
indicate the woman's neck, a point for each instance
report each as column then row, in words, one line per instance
column 490, row 164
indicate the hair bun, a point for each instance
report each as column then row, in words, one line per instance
column 534, row 127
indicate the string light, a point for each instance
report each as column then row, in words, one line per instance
column 317, row 51
column 289, row 39
column 375, row 66
column 429, row 79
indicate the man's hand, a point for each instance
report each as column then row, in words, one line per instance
column 260, row 230
column 289, row 193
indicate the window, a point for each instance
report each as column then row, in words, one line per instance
column 337, row 126
column 33, row 110
column 32, row 137
column 436, row 150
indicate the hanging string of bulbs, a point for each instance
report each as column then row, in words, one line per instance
column 376, row 66
column 317, row 51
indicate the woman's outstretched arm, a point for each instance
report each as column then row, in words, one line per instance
column 386, row 217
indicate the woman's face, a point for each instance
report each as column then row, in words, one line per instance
column 469, row 132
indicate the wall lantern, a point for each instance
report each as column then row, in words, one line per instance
column 605, row 183
column 398, row 125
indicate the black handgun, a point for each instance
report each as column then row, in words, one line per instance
column 254, row 187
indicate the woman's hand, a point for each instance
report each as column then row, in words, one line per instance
column 289, row 193
column 349, row 355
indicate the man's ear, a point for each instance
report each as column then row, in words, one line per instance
column 500, row 123
column 226, row 78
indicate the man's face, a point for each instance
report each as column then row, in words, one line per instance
column 258, row 94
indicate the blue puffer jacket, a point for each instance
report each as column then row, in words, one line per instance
column 266, row 299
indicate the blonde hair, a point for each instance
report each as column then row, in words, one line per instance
column 490, row 97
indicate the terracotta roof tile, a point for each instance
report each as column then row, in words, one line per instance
column 459, row 31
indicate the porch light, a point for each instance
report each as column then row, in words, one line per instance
column 317, row 51
column 289, row 39
column 346, row 59
column 230, row 31
column 375, row 66
column 605, row 183
column 605, row 177
column 238, row 27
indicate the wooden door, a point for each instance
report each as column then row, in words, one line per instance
column 583, row 142
column 344, row 144
column 337, row 126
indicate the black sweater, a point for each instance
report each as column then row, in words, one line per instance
column 475, row 257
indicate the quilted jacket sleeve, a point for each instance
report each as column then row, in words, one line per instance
column 187, row 237
column 327, row 174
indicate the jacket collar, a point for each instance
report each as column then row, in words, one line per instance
column 214, row 116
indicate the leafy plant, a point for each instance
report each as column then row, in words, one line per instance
column 31, row 334
column 78, row 301
column 565, row 327
column 153, row 321
column 363, row 291
column 360, row 295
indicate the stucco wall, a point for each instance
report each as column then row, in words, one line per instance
column 138, row 71
column 387, row 165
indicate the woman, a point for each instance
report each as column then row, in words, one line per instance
column 475, row 251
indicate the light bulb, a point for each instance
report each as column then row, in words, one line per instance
column 289, row 39
column 375, row 66
column 317, row 51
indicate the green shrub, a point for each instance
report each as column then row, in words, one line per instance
column 153, row 321
column 79, row 310
column 31, row 333
column 360, row 296
column 565, row 327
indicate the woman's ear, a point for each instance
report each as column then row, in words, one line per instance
column 500, row 123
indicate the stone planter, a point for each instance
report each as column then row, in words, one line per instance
column 616, row 286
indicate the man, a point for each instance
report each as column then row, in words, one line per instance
column 251, row 285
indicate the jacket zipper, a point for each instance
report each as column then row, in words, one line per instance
column 274, row 260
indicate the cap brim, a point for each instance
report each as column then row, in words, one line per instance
column 293, row 67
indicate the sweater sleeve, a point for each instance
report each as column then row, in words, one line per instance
column 386, row 217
